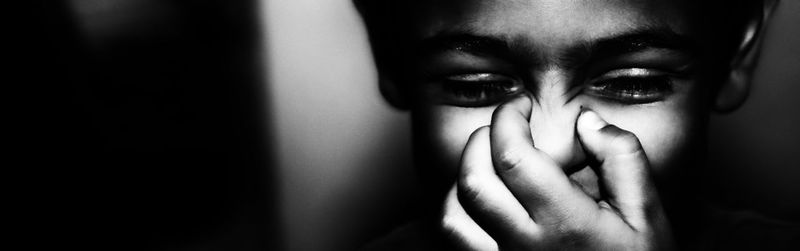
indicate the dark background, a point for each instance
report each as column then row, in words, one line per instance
column 143, row 127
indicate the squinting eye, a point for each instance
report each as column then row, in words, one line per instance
column 479, row 89
column 632, row 86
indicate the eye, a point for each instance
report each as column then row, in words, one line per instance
column 632, row 86
column 478, row 89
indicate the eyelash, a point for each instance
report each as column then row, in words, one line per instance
column 632, row 89
column 475, row 90
column 627, row 86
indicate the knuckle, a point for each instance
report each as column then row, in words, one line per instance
column 570, row 235
column 448, row 211
column 448, row 221
column 448, row 216
column 573, row 228
column 509, row 159
column 573, row 239
column 451, row 226
column 448, row 228
column 470, row 188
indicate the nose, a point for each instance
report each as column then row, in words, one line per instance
column 552, row 126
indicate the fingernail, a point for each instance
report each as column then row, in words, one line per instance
column 591, row 120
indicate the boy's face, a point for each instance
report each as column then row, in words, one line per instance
column 636, row 63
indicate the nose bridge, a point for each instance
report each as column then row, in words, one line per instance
column 553, row 123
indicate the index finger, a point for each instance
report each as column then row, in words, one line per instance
column 531, row 175
column 624, row 169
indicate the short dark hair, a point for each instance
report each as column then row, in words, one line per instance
column 388, row 27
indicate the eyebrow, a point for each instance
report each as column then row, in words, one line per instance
column 626, row 43
column 465, row 42
column 571, row 57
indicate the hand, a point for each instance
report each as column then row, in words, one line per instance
column 511, row 196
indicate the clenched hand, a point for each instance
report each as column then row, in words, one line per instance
column 511, row 196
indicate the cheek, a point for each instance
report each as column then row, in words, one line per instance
column 672, row 132
column 659, row 134
column 446, row 130
column 667, row 134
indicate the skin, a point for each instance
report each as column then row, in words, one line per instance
column 526, row 202
column 540, row 36
column 540, row 136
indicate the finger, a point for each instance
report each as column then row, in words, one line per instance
column 622, row 167
column 484, row 196
column 531, row 175
column 586, row 180
column 461, row 230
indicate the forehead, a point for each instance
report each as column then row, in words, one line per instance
column 550, row 23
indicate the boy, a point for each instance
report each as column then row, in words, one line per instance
column 561, row 124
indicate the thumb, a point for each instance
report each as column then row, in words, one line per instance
column 622, row 167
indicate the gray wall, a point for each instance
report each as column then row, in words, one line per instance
column 342, row 152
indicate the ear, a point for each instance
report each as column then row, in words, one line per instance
column 393, row 93
column 734, row 90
